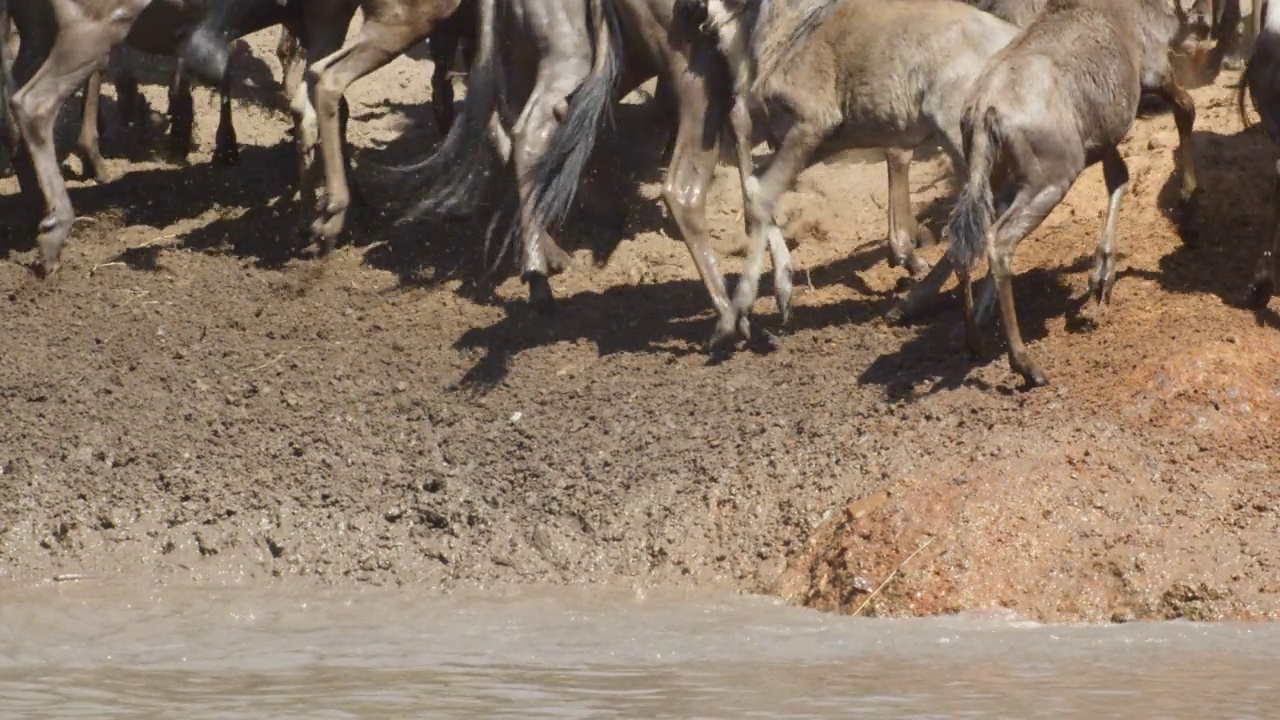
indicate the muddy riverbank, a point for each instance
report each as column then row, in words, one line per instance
column 189, row 400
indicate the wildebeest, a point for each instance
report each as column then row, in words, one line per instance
column 1221, row 20
column 1163, row 29
column 1261, row 82
column 66, row 39
column 555, row 56
column 832, row 76
column 390, row 27
column 1058, row 99
column 568, row 62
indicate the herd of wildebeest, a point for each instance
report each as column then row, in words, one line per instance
column 1022, row 96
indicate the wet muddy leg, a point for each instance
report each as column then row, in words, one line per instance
column 905, row 233
column 87, row 143
column 1184, row 116
column 1103, row 277
column 1264, row 282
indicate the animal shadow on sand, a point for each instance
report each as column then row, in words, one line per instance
column 933, row 353
column 1236, row 172
column 162, row 196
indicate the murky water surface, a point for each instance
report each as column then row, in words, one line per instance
column 87, row 650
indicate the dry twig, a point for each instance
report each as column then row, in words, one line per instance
column 892, row 575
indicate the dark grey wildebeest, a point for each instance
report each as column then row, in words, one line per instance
column 1058, row 99
column 1261, row 82
column 832, row 76
column 62, row 44
column 533, row 56
column 568, row 62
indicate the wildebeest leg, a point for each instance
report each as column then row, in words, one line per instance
column 1227, row 29
column 129, row 102
column 226, row 149
column 689, row 175
column 1184, row 115
column 557, row 78
column 905, row 234
column 1032, row 205
column 743, row 134
column 973, row 344
column 87, row 147
column 381, row 40
column 664, row 107
column 928, row 287
column 1264, row 277
column 762, row 193
column 292, row 64
column 443, row 47
column 80, row 43
column 182, row 115
column 326, row 29
column 1103, row 277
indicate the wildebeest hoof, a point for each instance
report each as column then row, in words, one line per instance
column 227, row 155
column 540, row 297
column 896, row 315
column 971, row 342
column 557, row 259
column 1189, row 218
column 722, row 338
column 179, row 148
column 974, row 349
column 764, row 341
column 325, row 245
column 1260, row 292
column 917, row 267
column 100, row 174
column 1030, row 371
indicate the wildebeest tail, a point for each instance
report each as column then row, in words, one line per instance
column 553, row 179
column 459, row 170
column 971, row 216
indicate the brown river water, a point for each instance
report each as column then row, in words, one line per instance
column 88, row 650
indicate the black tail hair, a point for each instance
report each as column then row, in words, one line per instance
column 971, row 217
column 458, row 171
column 555, row 176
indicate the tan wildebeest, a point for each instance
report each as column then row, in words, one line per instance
column 1058, row 99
